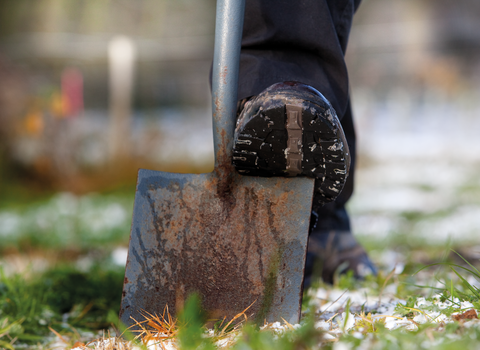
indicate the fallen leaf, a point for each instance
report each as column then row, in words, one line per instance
column 467, row 315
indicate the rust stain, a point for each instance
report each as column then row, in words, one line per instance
column 223, row 74
column 225, row 173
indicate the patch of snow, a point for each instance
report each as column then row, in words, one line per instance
column 119, row 256
column 342, row 346
column 9, row 223
column 462, row 224
column 323, row 325
column 347, row 321
column 421, row 319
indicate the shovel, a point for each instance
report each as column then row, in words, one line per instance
column 237, row 241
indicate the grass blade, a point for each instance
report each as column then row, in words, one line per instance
column 473, row 267
column 474, row 291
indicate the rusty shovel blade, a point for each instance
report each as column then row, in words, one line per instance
column 234, row 240
column 234, row 245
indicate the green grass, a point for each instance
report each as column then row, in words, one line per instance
column 62, row 298
column 305, row 337
column 80, row 289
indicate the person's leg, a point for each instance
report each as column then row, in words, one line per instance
column 331, row 243
column 305, row 41
column 286, row 40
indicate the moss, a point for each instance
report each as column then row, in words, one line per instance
column 270, row 287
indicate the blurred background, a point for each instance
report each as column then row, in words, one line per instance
column 92, row 90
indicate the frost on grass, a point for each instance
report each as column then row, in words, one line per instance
column 356, row 319
column 348, row 319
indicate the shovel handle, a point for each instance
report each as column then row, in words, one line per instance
column 228, row 37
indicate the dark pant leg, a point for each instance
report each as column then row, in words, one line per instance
column 297, row 40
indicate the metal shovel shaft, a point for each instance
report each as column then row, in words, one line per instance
column 228, row 37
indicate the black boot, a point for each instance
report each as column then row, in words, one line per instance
column 290, row 129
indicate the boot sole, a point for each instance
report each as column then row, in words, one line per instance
column 291, row 133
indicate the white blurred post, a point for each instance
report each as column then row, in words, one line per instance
column 121, row 59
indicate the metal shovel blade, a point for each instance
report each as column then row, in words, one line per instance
column 235, row 240
column 233, row 246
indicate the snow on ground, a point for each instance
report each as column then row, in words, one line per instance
column 417, row 158
column 340, row 312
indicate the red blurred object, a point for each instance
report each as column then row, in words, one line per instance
column 72, row 92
